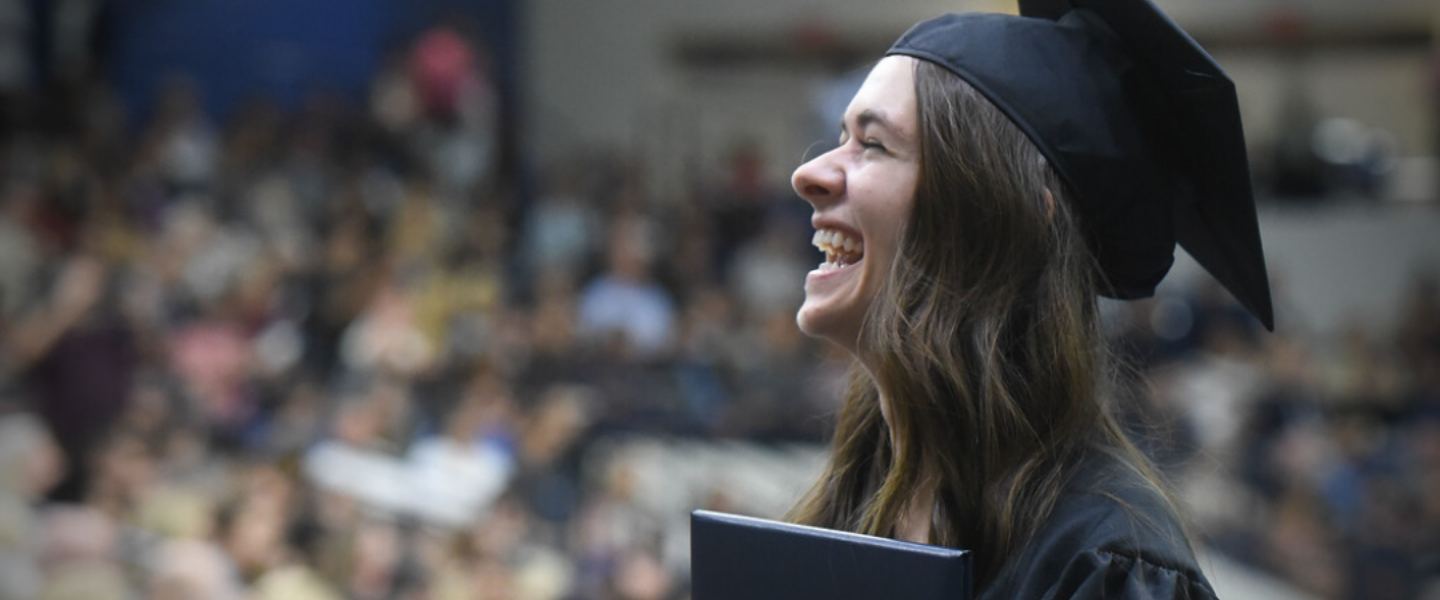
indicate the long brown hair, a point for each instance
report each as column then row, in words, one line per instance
column 984, row 343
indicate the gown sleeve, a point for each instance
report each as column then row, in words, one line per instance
column 1111, row 536
column 1105, row 575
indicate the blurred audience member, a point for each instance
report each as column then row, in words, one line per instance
column 624, row 311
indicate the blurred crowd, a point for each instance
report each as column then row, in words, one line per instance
column 1315, row 459
column 333, row 353
column 349, row 351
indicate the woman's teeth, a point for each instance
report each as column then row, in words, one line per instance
column 840, row 249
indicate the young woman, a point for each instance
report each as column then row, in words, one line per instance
column 967, row 234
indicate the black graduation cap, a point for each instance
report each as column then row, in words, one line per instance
column 1138, row 120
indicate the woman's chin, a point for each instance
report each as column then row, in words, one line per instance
column 831, row 295
column 805, row 319
column 823, row 322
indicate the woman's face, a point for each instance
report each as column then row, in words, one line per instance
column 862, row 193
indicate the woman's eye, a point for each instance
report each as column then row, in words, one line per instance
column 872, row 145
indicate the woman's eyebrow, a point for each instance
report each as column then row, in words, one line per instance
column 870, row 117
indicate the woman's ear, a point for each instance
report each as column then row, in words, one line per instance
column 1049, row 204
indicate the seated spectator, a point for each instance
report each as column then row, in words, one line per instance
column 624, row 310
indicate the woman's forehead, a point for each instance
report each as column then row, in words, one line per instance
column 887, row 97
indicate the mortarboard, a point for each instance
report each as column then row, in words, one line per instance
column 1139, row 121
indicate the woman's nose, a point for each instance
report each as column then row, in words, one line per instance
column 819, row 181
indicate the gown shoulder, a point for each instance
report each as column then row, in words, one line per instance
column 1111, row 536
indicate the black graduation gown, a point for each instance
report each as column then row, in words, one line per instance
column 1111, row 536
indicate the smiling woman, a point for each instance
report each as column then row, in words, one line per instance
column 994, row 174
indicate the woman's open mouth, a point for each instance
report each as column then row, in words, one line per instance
column 841, row 250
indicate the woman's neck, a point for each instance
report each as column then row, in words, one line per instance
column 915, row 522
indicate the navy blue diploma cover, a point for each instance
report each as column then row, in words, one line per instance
column 743, row 558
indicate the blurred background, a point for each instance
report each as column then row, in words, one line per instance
column 437, row 300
